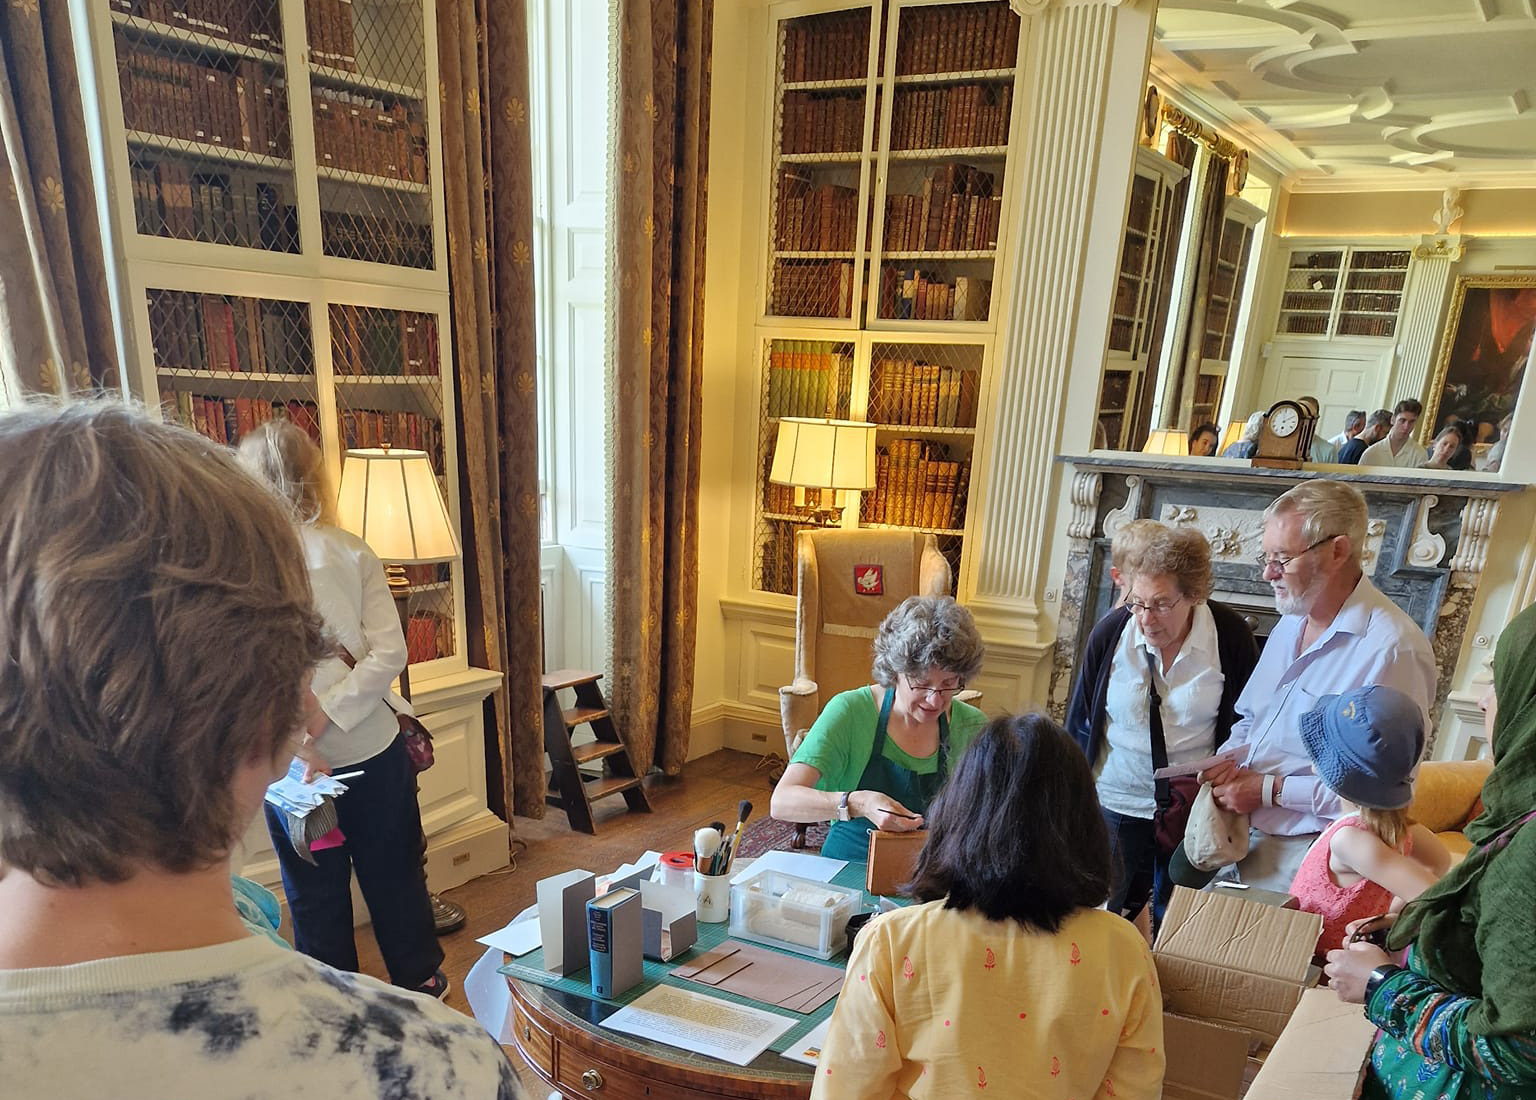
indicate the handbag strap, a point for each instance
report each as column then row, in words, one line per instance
column 1163, row 791
column 344, row 655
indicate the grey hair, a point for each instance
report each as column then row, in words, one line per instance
column 1327, row 508
column 1355, row 418
column 1254, row 425
column 1178, row 552
column 1380, row 418
column 927, row 632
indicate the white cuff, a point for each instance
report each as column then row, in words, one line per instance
column 1269, row 789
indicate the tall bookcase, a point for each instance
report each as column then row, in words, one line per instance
column 1343, row 291
column 272, row 180
column 1233, row 252
column 890, row 147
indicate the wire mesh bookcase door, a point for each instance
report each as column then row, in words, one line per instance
column 822, row 126
column 389, row 389
column 368, row 89
column 946, row 146
column 226, row 363
column 809, row 378
column 924, row 397
column 204, row 93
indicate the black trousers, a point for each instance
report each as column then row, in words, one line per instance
column 1140, row 870
column 382, row 824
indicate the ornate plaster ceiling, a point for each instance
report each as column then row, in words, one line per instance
column 1351, row 93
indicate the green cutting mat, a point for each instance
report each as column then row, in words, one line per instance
column 530, row 968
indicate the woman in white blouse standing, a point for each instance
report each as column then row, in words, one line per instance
column 1168, row 641
column 378, row 815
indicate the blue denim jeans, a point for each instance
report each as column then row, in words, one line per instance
column 1139, row 870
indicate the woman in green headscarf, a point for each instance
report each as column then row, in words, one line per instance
column 1458, row 1020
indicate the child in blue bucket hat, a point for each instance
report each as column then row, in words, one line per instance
column 1373, row 859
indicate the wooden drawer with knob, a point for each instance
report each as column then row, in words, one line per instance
column 533, row 1041
column 578, row 1073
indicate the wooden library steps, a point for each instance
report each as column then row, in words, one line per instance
column 578, row 789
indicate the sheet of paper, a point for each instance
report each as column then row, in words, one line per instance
column 798, row 864
column 699, row 1023
column 808, row 1049
column 517, row 938
column 1172, row 770
column 293, row 794
column 489, row 997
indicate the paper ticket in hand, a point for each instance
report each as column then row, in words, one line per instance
column 1235, row 756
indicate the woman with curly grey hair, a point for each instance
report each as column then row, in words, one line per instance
column 878, row 755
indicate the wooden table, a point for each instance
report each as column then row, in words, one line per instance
column 559, row 1034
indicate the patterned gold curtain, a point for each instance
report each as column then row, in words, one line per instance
column 662, row 128
column 55, row 317
column 483, row 57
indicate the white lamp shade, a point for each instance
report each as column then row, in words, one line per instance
column 824, row 454
column 390, row 499
column 1167, row 441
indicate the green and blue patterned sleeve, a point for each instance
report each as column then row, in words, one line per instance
column 1433, row 1022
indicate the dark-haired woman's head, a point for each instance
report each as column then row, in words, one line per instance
column 1016, row 832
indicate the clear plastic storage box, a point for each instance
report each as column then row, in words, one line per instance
column 797, row 914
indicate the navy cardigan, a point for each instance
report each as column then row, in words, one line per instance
column 1086, row 714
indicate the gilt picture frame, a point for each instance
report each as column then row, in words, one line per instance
column 1485, row 352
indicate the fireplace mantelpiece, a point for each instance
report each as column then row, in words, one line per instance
column 1426, row 545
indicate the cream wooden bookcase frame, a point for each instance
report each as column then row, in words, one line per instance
column 880, row 171
column 464, row 838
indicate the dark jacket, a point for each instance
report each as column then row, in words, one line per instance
column 1086, row 715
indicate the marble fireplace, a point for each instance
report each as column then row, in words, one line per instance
column 1426, row 546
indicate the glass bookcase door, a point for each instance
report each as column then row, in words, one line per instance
column 368, row 91
column 1373, row 293
column 1311, row 279
column 204, row 92
column 820, row 168
column 389, row 390
column 944, row 151
column 1226, row 292
column 226, row 363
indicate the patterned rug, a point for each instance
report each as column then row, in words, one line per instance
column 766, row 835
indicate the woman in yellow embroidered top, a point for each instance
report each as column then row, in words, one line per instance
column 1004, row 977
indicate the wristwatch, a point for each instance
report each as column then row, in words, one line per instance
column 842, row 807
column 1373, row 983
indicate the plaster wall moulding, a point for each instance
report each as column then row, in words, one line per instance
column 1085, row 503
column 1439, row 247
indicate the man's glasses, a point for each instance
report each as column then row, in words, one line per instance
column 1156, row 607
column 936, row 692
column 1266, row 563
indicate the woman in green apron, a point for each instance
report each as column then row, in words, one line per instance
column 878, row 755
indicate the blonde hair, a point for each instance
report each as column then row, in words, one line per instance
column 1156, row 548
column 1390, row 825
column 1130, row 541
column 1327, row 508
column 283, row 456
column 156, row 634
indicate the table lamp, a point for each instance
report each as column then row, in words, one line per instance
column 836, row 455
column 1233, row 433
column 1167, row 441
column 390, row 499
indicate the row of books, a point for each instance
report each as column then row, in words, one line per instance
column 914, row 294
column 954, row 117
column 827, row 47
column 809, row 378
column 239, row 208
column 814, row 218
column 192, row 331
column 956, row 209
column 229, row 419
column 253, row 22
column 428, row 636
column 812, row 288
column 377, row 239
column 957, row 38
column 371, row 427
column 367, row 341
column 777, row 567
column 917, row 484
column 822, row 122
column 918, row 394
column 242, row 107
column 359, row 133
column 328, row 25
column 431, row 573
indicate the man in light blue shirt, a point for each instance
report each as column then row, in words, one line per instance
column 1339, row 632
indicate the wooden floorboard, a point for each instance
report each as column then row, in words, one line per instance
column 709, row 789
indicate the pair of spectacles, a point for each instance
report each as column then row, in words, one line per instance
column 936, row 692
column 1156, row 607
column 1265, row 562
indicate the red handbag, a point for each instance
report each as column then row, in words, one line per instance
column 418, row 739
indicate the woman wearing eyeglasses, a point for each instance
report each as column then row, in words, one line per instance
column 877, row 755
column 1168, row 654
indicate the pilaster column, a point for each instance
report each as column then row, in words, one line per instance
column 1086, row 65
column 1422, row 318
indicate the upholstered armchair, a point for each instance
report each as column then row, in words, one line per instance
column 847, row 581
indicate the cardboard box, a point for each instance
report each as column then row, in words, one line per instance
column 1321, row 1054
column 1205, row 1061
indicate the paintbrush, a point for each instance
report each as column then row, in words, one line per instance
column 706, row 845
column 743, row 811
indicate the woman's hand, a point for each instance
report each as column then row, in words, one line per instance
column 884, row 811
column 1349, row 968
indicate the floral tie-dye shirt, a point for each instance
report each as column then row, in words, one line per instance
column 244, row 1020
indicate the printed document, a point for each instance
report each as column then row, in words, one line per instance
column 699, row 1023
